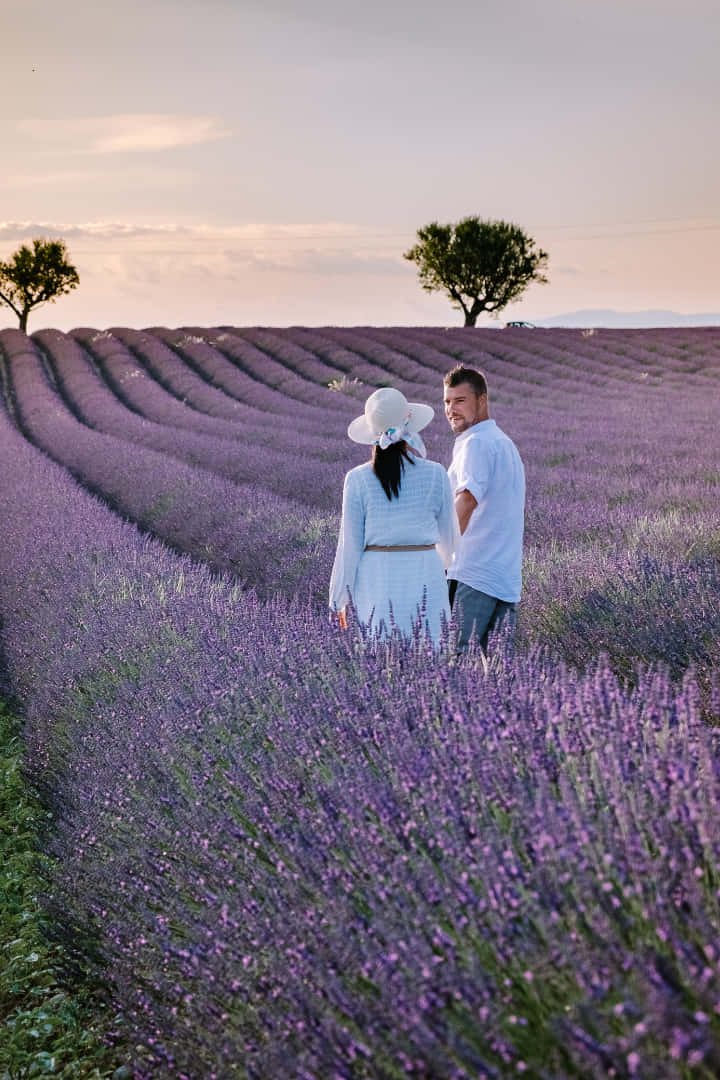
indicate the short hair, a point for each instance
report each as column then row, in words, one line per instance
column 470, row 375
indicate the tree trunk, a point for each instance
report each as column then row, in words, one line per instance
column 470, row 318
column 23, row 321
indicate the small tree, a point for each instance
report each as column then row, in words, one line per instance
column 481, row 265
column 32, row 277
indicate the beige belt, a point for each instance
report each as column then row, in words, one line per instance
column 399, row 547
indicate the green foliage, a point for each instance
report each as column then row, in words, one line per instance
column 46, row 1028
column 481, row 265
column 35, row 276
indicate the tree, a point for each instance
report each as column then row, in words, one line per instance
column 481, row 265
column 32, row 277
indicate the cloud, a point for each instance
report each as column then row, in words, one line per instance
column 250, row 233
column 99, row 172
column 124, row 133
column 120, row 134
column 60, row 178
column 90, row 233
column 125, row 251
column 341, row 261
column 288, row 240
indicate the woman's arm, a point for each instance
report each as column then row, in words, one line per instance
column 447, row 523
column 350, row 545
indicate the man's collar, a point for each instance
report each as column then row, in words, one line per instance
column 476, row 429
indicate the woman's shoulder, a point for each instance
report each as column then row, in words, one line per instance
column 430, row 476
column 358, row 474
column 433, row 466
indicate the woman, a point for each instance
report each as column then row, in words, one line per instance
column 398, row 527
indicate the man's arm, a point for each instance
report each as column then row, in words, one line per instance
column 465, row 503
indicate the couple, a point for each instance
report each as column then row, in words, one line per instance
column 406, row 521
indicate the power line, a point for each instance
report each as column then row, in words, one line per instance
column 249, row 246
column 250, row 242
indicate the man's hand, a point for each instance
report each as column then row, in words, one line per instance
column 465, row 503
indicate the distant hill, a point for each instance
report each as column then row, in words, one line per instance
column 627, row 319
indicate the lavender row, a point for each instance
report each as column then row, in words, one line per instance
column 452, row 870
column 503, row 361
column 280, row 365
column 396, row 362
column 228, row 358
column 278, row 464
column 196, row 342
column 506, row 369
column 676, row 345
column 665, row 353
column 345, row 351
column 157, row 382
column 80, row 566
column 174, row 390
column 412, row 880
column 612, row 355
column 108, row 377
column 431, row 358
column 202, row 514
column 504, row 358
column 606, row 489
column 591, row 366
column 285, row 351
column 628, row 362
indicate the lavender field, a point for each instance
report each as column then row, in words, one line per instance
column 288, row 851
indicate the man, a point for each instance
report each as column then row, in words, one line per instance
column 488, row 481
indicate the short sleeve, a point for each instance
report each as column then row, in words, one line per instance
column 471, row 469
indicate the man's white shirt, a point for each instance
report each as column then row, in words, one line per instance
column 489, row 556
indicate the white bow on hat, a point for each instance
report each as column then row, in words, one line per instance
column 389, row 418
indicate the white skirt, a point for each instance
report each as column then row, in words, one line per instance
column 394, row 588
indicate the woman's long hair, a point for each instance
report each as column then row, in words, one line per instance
column 388, row 466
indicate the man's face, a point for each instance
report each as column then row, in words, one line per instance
column 463, row 407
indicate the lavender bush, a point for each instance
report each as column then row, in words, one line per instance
column 290, row 851
column 394, row 364
column 242, row 457
column 348, row 361
column 283, row 350
column 252, row 352
column 246, row 371
column 156, row 382
column 194, row 510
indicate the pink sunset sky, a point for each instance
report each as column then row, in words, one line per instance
column 267, row 162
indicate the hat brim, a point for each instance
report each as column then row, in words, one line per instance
column 420, row 417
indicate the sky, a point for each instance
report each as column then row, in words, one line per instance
column 267, row 162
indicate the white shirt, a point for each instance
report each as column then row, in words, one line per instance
column 489, row 556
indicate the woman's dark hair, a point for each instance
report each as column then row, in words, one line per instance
column 388, row 466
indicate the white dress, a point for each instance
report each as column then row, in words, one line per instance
column 389, row 588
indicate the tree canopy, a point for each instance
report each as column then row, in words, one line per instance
column 35, row 275
column 481, row 265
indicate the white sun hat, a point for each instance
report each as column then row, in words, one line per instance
column 389, row 418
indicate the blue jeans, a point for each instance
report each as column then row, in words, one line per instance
column 478, row 613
